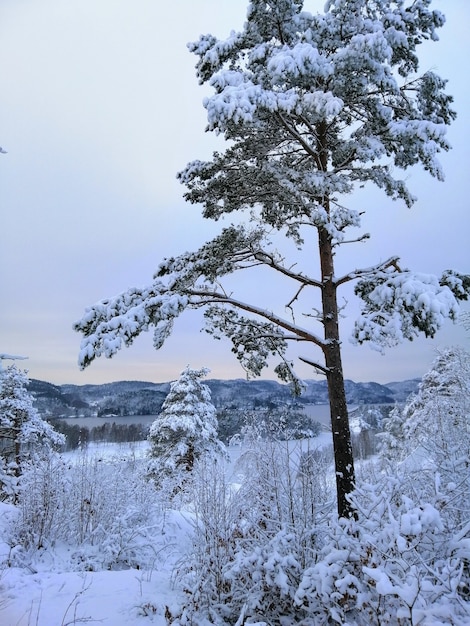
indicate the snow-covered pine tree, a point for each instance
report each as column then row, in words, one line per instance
column 447, row 383
column 24, row 435
column 185, row 430
column 436, row 427
column 392, row 438
column 312, row 106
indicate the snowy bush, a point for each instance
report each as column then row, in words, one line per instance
column 104, row 511
column 396, row 564
column 251, row 544
column 286, row 494
column 216, row 527
column 272, row 550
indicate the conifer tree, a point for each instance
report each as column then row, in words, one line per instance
column 186, row 428
column 432, row 432
column 24, row 435
column 311, row 106
column 437, row 418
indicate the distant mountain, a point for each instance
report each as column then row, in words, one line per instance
column 404, row 389
column 145, row 398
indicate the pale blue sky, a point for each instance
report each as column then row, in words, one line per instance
column 100, row 108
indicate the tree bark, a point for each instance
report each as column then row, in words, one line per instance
column 344, row 461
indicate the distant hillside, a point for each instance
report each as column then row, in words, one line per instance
column 402, row 390
column 145, row 398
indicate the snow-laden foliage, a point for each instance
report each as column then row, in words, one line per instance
column 252, row 543
column 103, row 510
column 215, row 526
column 445, row 386
column 403, row 559
column 392, row 438
column 432, row 432
column 439, row 412
column 399, row 305
column 397, row 563
column 24, row 436
column 184, row 431
column 271, row 552
column 281, row 422
column 312, row 107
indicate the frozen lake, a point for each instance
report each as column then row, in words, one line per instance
column 319, row 412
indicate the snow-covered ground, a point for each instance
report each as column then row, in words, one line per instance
column 59, row 598
column 49, row 594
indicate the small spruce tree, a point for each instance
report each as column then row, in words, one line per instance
column 24, row 435
column 186, row 429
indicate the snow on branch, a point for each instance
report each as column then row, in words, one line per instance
column 111, row 324
column 236, row 248
column 359, row 273
column 400, row 305
column 253, row 342
column 459, row 284
column 213, row 53
column 223, row 255
column 192, row 283
column 203, row 298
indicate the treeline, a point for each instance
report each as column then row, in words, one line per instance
column 278, row 423
column 80, row 436
column 285, row 422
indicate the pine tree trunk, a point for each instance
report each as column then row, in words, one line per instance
column 344, row 461
column 342, row 447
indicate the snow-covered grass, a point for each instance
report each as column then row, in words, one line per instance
column 50, row 598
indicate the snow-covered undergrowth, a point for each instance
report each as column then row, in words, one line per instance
column 89, row 542
column 254, row 541
column 277, row 555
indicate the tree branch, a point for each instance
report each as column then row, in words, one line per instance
column 317, row 366
column 296, row 135
column 293, row 299
column 268, row 260
column 392, row 262
column 212, row 297
column 363, row 237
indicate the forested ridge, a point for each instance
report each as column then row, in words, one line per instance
column 146, row 398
